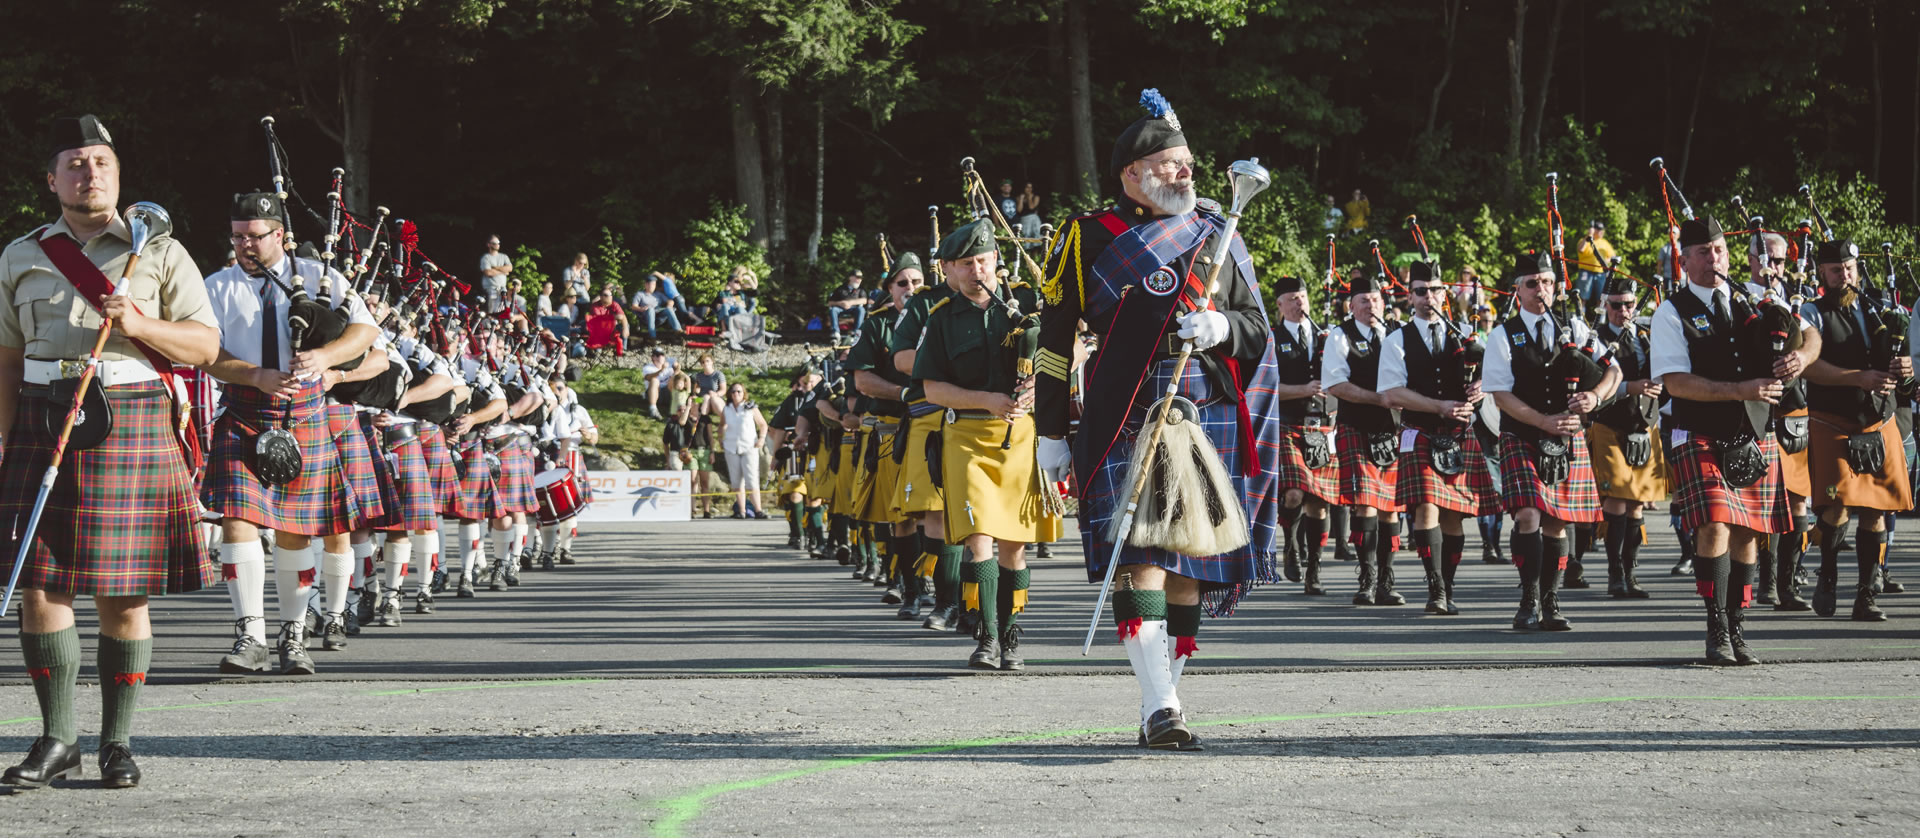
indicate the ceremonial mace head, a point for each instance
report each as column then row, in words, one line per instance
column 1247, row 178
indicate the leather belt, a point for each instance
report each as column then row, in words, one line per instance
column 109, row 373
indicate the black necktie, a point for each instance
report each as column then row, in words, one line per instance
column 1720, row 315
column 269, row 328
column 1433, row 330
column 1540, row 333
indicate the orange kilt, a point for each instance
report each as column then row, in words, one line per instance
column 1834, row 481
column 1793, row 467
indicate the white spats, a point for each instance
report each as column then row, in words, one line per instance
column 1147, row 652
column 398, row 555
column 336, row 570
column 293, row 581
column 244, row 565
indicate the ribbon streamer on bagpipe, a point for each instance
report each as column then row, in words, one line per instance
column 1668, row 192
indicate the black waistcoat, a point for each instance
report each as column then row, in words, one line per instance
column 1433, row 375
column 1363, row 371
column 1299, row 363
column 1714, row 352
column 1634, row 354
column 1843, row 344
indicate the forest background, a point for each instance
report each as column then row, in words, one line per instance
column 694, row 135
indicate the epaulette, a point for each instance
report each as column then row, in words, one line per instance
column 936, row 306
column 34, row 234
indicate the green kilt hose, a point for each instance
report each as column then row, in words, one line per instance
column 384, row 466
column 1322, row 483
column 318, row 503
column 1574, row 499
column 476, row 480
column 514, row 494
column 121, row 519
column 1471, row 492
column 1702, row 496
column 415, row 499
column 1361, row 482
column 446, row 480
column 356, row 461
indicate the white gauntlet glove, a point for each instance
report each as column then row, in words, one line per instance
column 1206, row 328
column 1055, row 458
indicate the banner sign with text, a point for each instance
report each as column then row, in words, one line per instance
column 640, row 496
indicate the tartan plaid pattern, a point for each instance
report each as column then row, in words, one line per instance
column 385, row 464
column 476, row 481
column 1225, row 578
column 415, row 505
column 1573, row 499
column 318, row 503
column 1322, row 483
column 515, row 492
column 356, row 460
column 446, row 480
column 120, row 519
column 1361, row 482
column 1702, row 496
column 1471, row 492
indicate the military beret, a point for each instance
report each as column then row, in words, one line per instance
column 76, row 132
column 256, row 206
column 1423, row 271
column 1364, row 284
column 967, row 240
column 1530, row 262
column 1288, row 285
column 1158, row 131
column 1617, row 284
column 1838, row 250
column 1699, row 231
column 910, row 259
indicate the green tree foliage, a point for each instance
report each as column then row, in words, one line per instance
column 716, row 244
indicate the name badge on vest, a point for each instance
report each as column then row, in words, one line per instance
column 1701, row 323
column 1362, row 347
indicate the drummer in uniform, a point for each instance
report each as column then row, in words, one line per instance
column 874, row 375
column 1309, row 477
column 119, row 523
column 1856, row 460
column 987, row 469
column 1629, row 468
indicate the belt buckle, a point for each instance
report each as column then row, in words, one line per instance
column 952, row 416
column 70, row 369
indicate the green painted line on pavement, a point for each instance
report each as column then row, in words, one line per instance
column 528, row 684
column 683, row 809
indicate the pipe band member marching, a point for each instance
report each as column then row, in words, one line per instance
column 871, row 361
column 1131, row 272
column 1546, row 375
column 917, row 495
column 1367, row 439
column 275, row 462
column 1791, row 426
column 1431, row 372
column 120, row 522
column 1855, row 459
column 1309, row 473
column 1725, row 464
column 991, row 484
column 1629, row 464
column 481, row 470
column 790, row 458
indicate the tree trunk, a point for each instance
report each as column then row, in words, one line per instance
column 1449, row 21
column 1516, row 97
column 1879, row 101
column 1913, row 210
column 1693, row 113
column 776, row 175
column 1059, row 181
column 749, row 176
column 1539, row 113
column 1080, row 99
column 356, row 123
column 819, row 181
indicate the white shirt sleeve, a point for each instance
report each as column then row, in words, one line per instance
column 1498, row 372
column 1669, row 342
column 1393, row 361
column 1333, row 361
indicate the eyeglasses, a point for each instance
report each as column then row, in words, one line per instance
column 1173, row 164
column 1619, row 304
column 1535, row 283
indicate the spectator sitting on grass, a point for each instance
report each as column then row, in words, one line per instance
column 657, row 367
column 708, row 379
column 571, row 309
column 651, row 307
column 543, row 305
column 606, row 306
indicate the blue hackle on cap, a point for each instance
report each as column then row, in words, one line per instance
column 1155, row 104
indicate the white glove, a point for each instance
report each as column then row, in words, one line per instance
column 1206, row 328
column 1055, row 457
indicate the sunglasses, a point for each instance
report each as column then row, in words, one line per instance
column 904, row 283
column 1423, row 290
column 1777, row 261
column 1619, row 304
column 1536, row 283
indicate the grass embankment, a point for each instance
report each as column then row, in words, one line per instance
column 617, row 400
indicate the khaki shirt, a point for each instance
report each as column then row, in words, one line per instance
column 44, row 315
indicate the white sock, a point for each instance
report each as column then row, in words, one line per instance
column 1147, row 652
column 245, row 567
column 362, row 564
column 430, row 545
column 398, row 555
column 289, row 565
column 503, row 547
column 572, row 530
column 519, row 537
column 335, row 571
column 550, row 538
column 471, row 556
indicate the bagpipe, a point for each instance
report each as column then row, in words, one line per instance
column 1468, row 357
column 312, row 322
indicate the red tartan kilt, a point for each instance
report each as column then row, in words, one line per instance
column 1471, row 492
column 120, row 519
column 476, row 482
column 1574, row 499
column 318, row 503
column 356, row 460
column 1322, row 483
column 446, row 479
column 413, row 488
column 515, row 493
column 385, row 465
column 1361, row 482
column 1702, row 496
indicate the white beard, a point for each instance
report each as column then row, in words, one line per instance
column 1175, row 198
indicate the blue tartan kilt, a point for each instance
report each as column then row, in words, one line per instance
column 356, row 460
column 1225, row 578
column 318, row 503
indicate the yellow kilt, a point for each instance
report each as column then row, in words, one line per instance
column 876, row 500
column 1833, row 481
column 914, row 491
column 796, row 484
column 1612, row 475
column 841, row 502
column 1793, row 467
column 989, row 489
column 819, row 477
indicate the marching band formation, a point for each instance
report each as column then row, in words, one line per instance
column 368, row 420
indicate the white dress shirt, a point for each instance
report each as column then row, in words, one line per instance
column 238, row 302
column 1668, row 344
column 1498, row 373
column 1393, row 356
column 1334, row 369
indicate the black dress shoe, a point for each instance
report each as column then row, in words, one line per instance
column 986, row 656
column 1167, row 730
column 941, row 619
column 117, row 769
column 47, row 760
column 1044, row 551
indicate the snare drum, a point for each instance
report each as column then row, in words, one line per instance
column 558, row 495
column 578, row 465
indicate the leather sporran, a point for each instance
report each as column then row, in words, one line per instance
column 1867, row 453
column 1791, row 432
column 1446, row 455
column 1319, row 447
column 93, row 422
column 1381, row 448
column 1638, row 447
column 1553, row 460
column 1741, row 462
column 276, row 458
